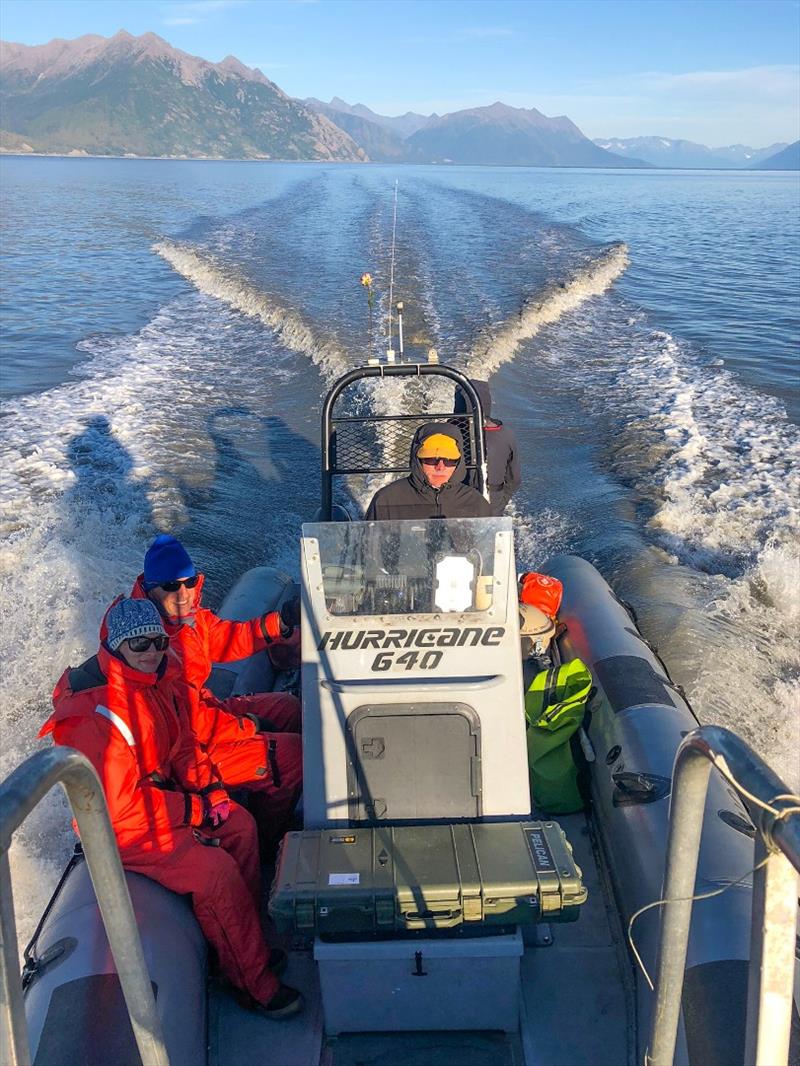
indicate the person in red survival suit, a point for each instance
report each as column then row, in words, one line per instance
column 172, row 818
column 253, row 741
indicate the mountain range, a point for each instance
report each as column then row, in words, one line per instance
column 499, row 135
column 402, row 125
column 128, row 95
column 668, row 152
column 788, row 159
column 380, row 141
column 139, row 96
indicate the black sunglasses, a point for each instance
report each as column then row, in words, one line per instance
column 140, row 644
column 173, row 586
column 434, row 461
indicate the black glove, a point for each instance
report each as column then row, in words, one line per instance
column 290, row 615
column 263, row 725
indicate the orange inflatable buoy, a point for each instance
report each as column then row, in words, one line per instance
column 541, row 591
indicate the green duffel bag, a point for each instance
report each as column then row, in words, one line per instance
column 555, row 705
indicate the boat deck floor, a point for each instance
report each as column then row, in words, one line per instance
column 577, row 1005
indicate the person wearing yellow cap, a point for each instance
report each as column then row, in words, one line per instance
column 434, row 488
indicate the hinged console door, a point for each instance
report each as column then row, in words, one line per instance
column 413, row 761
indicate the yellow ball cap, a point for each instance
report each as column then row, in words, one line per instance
column 439, row 446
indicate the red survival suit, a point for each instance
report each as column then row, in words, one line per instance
column 132, row 728
column 268, row 762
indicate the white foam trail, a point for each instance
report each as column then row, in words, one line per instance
column 237, row 292
column 728, row 470
column 751, row 636
column 499, row 344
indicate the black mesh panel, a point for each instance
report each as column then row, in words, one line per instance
column 383, row 445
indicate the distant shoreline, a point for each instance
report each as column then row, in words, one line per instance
column 5, row 153
column 167, row 158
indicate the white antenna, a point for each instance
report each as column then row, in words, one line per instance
column 390, row 349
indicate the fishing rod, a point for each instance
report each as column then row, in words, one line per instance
column 390, row 352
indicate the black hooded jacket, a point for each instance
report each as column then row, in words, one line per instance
column 502, row 450
column 414, row 497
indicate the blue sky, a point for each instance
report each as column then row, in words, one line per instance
column 713, row 71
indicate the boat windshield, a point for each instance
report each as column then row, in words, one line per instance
column 409, row 567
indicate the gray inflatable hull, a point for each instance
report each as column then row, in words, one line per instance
column 261, row 589
column 74, row 1005
column 638, row 719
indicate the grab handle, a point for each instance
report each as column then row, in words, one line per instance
column 443, row 919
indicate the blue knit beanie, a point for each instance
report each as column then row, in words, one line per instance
column 166, row 560
column 132, row 618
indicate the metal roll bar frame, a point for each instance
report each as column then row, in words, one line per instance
column 777, row 861
column 385, row 371
column 19, row 794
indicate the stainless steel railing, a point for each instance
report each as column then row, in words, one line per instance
column 19, row 794
column 776, row 862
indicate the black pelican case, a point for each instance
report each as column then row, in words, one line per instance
column 395, row 879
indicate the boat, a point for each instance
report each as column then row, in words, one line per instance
column 413, row 688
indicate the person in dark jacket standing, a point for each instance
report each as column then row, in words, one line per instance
column 435, row 487
column 502, row 450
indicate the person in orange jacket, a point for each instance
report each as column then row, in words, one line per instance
column 253, row 741
column 171, row 815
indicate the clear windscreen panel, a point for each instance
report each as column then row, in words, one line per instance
column 408, row 567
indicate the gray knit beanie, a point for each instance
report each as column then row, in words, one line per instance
column 132, row 618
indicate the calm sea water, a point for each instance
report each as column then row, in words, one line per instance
column 169, row 328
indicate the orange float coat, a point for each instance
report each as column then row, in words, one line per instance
column 269, row 762
column 136, row 735
column 131, row 727
column 207, row 639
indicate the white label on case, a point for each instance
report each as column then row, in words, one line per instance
column 344, row 879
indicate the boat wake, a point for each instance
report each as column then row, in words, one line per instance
column 226, row 284
column 718, row 465
column 499, row 344
column 724, row 495
column 732, row 482
column 712, row 467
